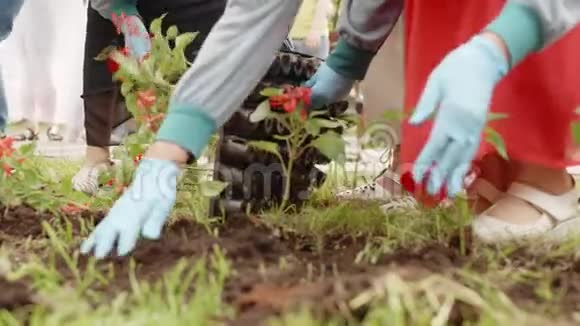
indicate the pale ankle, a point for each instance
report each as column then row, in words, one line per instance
column 552, row 181
column 97, row 155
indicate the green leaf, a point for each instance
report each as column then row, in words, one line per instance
column 128, row 67
column 126, row 88
column 266, row 146
column 331, row 145
column 576, row 132
column 105, row 53
column 493, row 116
column 394, row 115
column 325, row 123
column 350, row 119
column 155, row 26
column 496, row 140
column 172, row 32
column 315, row 113
column 135, row 149
column 271, row 91
column 184, row 40
column 212, row 188
column 262, row 112
column 312, row 128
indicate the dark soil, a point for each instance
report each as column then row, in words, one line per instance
column 260, row 288
column 14, row 294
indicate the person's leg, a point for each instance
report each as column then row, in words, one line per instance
column 39, row 41
column 69, row 51
column 9, row 9
column 18, row 73
column 3, row 107
column 548, row 180
column 496, row 174
column 100, row 100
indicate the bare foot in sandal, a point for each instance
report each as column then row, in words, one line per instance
column 540, row 203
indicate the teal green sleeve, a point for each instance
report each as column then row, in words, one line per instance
column 107, row 8
column 190, row 128
column 127, row 7
column 350, row 61
column 520, row 28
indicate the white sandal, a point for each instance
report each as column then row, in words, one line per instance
column 370, row 191
column 559, row 217
column 401, row 203
column 87, row 179
column 374, row 191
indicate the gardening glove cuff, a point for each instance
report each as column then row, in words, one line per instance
column 350, row 61
column 188, row 128
column 521, row 30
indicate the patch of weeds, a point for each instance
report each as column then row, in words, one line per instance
column 436, row 300
column 304, row 317
column 365, row 220
column 189, row 294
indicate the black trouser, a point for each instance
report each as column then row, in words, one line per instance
column 103, row 104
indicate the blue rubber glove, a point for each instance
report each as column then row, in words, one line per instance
column 137, row 40
column 461, row 87
column 328, row 87
column 142, row 210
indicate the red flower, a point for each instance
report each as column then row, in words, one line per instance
column 138, row 159
column 73, row 209
column 8, row 170
column 113, row 65
column 111, row 182
column 290, row 105
column 304, row 94
column 278, row 100
column 146, row 99
column 6, row 148
column 291, row 98
column 154, row 121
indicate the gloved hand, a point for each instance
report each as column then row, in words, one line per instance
column 142, row 210
column 137, row 40
column 328, row 86
column 460, row 89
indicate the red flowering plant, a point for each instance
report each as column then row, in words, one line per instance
column 146, row 85
column 26, row 181
column 305, row 129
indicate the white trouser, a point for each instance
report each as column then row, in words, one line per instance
column 70, row 41
column 42, row 62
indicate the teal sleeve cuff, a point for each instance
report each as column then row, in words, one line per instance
column 520, row 28
column 350, row 61
column 127, row 7
column 188, row 127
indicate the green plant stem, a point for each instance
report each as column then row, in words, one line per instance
column 287, row 182
column 295, row 151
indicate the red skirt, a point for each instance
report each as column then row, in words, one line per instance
column 539, row 96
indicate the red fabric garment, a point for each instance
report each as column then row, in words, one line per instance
column 539, row 95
